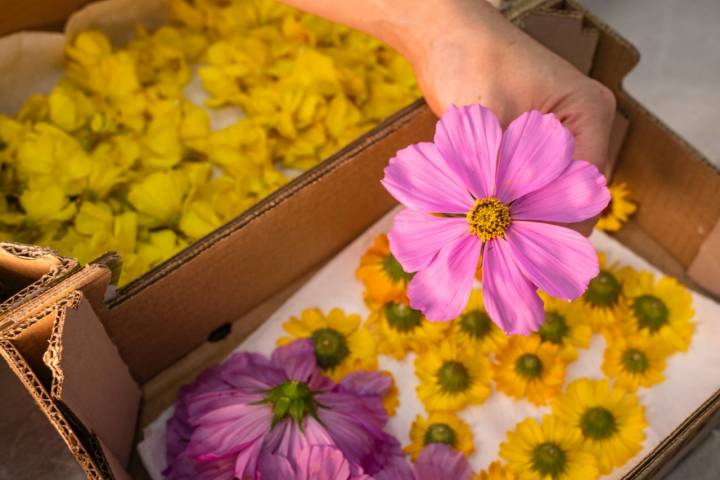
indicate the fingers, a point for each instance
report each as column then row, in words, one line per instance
column 594, row 114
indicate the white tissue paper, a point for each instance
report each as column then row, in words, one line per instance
column 692, row 377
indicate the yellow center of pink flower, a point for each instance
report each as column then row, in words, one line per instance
column 489, row 218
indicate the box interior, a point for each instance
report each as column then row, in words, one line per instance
column 157, row 326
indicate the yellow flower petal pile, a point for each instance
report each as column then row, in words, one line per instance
column 123, row 154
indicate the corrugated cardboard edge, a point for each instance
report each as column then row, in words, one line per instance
column 92, row 468
column 92, row 359
column 64, row 266
column 55, row 301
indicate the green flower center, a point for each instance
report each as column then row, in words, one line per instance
column 651, row 312
column 394, row 270
column 292, row 399
column 440, row 433
column 548, row 459
column 554, row 329
column 635, row 361
column 529, row 365
column 476, row 324
column 330, row 347
column 401, row 317
column 489, row 218
column 598, row 423
column 603, row 290
column 453, row 377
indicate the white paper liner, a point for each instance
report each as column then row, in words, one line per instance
column 692, row 377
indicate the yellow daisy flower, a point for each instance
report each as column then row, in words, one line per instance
column 603, row 298
column 381, row 274
column 475, row 329
column 565, row 326
column 618, row 210
column 633, row 362
column 452, row 376
column 440, row 427
column 549, row 450
column 496, row 471
column 610, row 420
column 661, row 311
column 341, row 344
column 529, row 368
column 397, row 329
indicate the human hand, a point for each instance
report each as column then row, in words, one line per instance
column 485, row 59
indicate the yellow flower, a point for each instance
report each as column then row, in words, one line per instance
column 382, row 275
column 661, row 311
column 93, row 65
column 342, row 345
column 397, row 329
column 633, row 362
column 565, row 326
column 391, row 399
column 440, row 427
column 496, row 471
column 46, row 203
column 452, row 376
column 69, row 108
column 603, row 298
column 160, row 196
column 111, row 164
column 618, row 210
column 239, row 150
column 49, row 153
column 549, row 450
column 611, row 421
column 529, row 368
column 93, row 217
column 158, row 247
column 474, row 328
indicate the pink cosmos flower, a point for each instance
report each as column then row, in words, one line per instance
column 477, row 191
column 438, row 461
column 254, row 417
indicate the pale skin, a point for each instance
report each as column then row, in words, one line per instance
column 465, row 51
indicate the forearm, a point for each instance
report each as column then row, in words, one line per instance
column 409, row 26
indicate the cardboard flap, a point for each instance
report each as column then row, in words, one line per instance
column 562, row 31
column 26, row 271
column 90, row 379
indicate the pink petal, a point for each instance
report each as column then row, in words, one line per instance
column 536, row 148
column 468, row 138
column 577, row 194
column 323, row 463
column 417, row 237
column 441, row 290
column 276, row 466
column 557, row 259
column 510, row 299
column 438, row 461
column 420, row 179
column 297, row 358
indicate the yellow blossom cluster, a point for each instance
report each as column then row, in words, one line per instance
column 122, row 154
column 595, row 425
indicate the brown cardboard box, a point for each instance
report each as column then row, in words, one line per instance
column 84, row 352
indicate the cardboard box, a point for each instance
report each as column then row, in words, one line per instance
column 84, row 352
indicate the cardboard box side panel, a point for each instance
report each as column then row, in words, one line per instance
column 25, row 433
column 174, row 314
column 56, row 418
column 92, row 381
column 678, row 193
column 677, row 190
